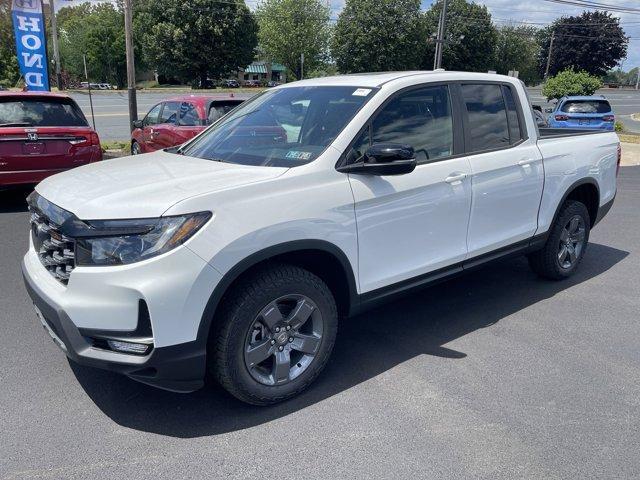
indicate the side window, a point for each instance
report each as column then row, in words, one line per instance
column 152, row 116
column 420, row 118
column 515, row 130
column 487, row 115
column 188, row 116
column 359, row 147
column 169, row 113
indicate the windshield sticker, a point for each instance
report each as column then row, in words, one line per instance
column 294, row 154
column 362, row 92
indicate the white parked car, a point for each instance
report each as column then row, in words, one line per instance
column 236, row 254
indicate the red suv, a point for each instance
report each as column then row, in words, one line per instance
column 42, row 134
column 179, row 119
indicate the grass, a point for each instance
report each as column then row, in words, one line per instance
column 629, row 137
column 116, row 145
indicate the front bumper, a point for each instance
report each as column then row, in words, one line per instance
column 179, row 368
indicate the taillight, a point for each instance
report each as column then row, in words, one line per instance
column 619, row 159
column 609, row 118
column 95, row 140
column 561, row 118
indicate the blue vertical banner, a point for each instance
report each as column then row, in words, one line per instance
column 31, row 45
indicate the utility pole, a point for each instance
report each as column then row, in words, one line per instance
column 56, row 50
column 546, row 70
column 131, row 69
column 301, row 66
column 437, row 58
column 638, row 79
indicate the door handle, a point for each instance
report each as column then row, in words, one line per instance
column 525, row 163
column 455, row 178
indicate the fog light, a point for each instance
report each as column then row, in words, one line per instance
column 128, row 347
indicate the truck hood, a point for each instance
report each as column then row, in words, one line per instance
column 144, row 186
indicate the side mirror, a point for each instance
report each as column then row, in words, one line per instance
column 384, row 159
column 138, row 124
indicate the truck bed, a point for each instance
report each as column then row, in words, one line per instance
column 547, row 132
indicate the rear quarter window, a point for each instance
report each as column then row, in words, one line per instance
column 41, row 112
column 586, row 106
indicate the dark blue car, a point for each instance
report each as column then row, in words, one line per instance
column 589, row 113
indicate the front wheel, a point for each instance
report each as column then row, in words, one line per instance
column 276, row 332
column 135, row 148
column 566, row 245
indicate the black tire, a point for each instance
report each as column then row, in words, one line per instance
column 549, row 261
column 135, row 148
column 241, row 318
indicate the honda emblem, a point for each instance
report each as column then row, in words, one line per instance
column 32, row 136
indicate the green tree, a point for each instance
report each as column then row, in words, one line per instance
column 470, row 35
column 9, row 72
column 379, row 35
column 517, row 49
column 593, row 41
column 290, row 28
column 96, row 31
column 570, row 82
column 198, row 39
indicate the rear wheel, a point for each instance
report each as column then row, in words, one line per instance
column 276, row 332
column 135, row 148
column 566, row 245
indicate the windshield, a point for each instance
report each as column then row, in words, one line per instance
column 281, row 128
column 41, row 112
column 586, row 106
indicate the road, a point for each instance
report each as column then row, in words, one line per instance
column 494, row 375
column 112, row 112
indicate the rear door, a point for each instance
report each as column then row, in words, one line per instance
column 190, row 122
column 43, row 133
column 506, row 166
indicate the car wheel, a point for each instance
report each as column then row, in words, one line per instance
column 566, row 245
column 274, row 334
column 135, row 148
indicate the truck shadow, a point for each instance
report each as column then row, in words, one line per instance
column 367, row 345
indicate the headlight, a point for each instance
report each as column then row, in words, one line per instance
column 115, row 242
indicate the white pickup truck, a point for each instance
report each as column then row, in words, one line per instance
column 236, row 254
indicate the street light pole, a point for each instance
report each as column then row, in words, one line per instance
column 437, row 58
column 131, row 70
column 56, row 50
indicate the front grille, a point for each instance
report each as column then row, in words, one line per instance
column 55, row 250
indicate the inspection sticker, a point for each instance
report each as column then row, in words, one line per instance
column 294, row 154
column 362, row 92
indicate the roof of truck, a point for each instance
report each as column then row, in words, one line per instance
column 378, row 79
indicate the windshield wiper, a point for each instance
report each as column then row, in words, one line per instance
column 16, row 124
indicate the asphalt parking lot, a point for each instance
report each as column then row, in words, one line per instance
column 495, row 375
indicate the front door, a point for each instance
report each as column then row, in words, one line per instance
column 410, row 225
column 148, row 128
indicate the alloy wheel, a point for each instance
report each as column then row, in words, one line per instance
column 283, row 340
column 571, row 242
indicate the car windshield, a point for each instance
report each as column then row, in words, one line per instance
column 586, row 106
column 41, row 112
column 282, row 128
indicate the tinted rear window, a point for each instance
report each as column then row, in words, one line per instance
column 586, row 106
column 487, row 115
column 35, row 112
column 220, row 109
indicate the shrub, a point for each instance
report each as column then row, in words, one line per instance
column 570, row 82
column 619, row 126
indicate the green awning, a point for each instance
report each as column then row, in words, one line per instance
column 261, row 67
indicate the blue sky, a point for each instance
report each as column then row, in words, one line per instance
column 503, row 11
